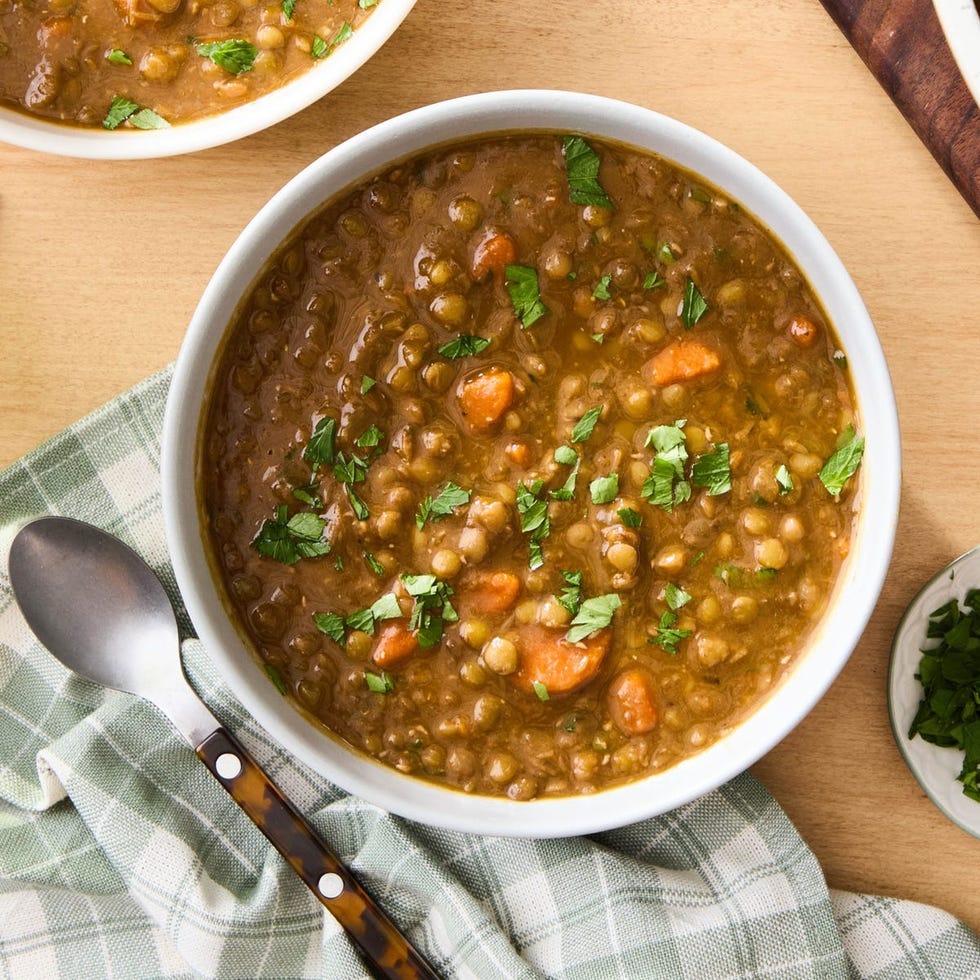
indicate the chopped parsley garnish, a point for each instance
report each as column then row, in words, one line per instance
column 665, row 253
column 712, row 470
column 275, row 675
column 148, row 119
column 307, row 495
column 525, row 293
column 566, row 455
column 593, row 615
column 652, row 280
column 699, row 194
column 117, row 57
column 844, row 462
column 287, row 539
column 379, row 683
column 350, row 469
column 693, row 306
column 535, row 521
column 784, row 480
column 598, row 337
column 365, row 620
column 949, row 713
column 667, row 637
column 582, row 166
column 676, row 597
column 366, row 4
column 320, row 450
column 234, row 55
column 601, row 290
column 586, row 424
column 370, row 438
column 332, row 624
column 319, row 48
column 288, row 6
column 765, row 574
column 367, row 383
column 570, row 597
column 604, row 489
column 433, row 509
column 630, row 517
column 432, row 608
column 567, row 490
column 541, row 691
column 465, row 345
column 666, row 487
column 697, row 559
column 119, row 111
column 375, row 565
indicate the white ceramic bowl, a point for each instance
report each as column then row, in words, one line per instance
column 880, row 474
column 48, row 136
column 960, row 22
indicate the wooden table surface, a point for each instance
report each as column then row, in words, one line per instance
column 101, row 265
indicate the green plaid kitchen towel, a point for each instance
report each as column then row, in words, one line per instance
column 121, row 857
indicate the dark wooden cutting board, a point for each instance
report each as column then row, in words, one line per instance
column 902, row 43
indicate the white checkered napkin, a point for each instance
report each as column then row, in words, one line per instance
column 121, row 857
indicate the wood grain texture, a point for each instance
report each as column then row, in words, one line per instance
column 101, row 266
column 902, row 42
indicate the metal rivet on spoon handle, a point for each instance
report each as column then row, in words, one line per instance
column 99, row 608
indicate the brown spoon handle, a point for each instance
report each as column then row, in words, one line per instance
column 378, row 937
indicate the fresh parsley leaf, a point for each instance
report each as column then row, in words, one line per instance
column 333, row 625
column 712, row 470
column 357, row 505
column 582, row 166
column 698, row 193
column 784, row 480
column 665, row 253
column 350, row 468
column 450, row 497
column 566, row 455
column 525, row 294
column 693, row 306
column 234, row 55
column 367, row 383
column 307, row 495
column 318, row 48
column 667, row 637
column 601, row 290
column 320, row 450
column 630, row 517
column 465, row 345
column 675, row 596
column 594, row 614
column 586, row 424
column 765, row 574
column 117, row 57
column 379, row 683
column 148, row 119
column 843, row 463
column 567, row 490
column 366, row 4
column 604, row 488
column 338, row 563
column 697, row 559
column 386, row 607
column 288, row 6
column 570, row 597
column 666, row 487
column 344, row 34
column 288, row 539
column 535, row 521
column 652, row 281
column 361, row 620
column 431, row 608
column 370, row 438
column 541, row 691
column 276, row 677
column 374, row 564
column 598, row 337
column 119, row 111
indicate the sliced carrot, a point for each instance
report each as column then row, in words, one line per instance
column 492, row 254
column 519, row 453
column 485, row 397
column 632, row 701
column 395, row 643
column 547, row 658
column 681, row 361
column 803, row 330
column 490, row 593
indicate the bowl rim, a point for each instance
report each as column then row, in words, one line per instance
column 863, row 574
column 94, row 143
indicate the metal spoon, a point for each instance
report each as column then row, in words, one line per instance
column 98, row 607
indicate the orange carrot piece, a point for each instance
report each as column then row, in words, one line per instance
column 519, row 453
column 395, row 643
column 491, row 593
column 632, row 701
column 492, row 254
column 803, row 330
column 485, row 398
column 681, row 361
column 547, row 658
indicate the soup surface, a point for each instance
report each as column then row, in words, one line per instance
column 530, row 465
column 150, row 63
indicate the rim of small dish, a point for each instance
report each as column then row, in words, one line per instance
column 960, row 22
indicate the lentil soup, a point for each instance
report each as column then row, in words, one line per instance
column 530, row 465
column 146, row 64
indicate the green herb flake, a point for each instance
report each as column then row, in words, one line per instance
column 598, row 338
column 431, row 608
column 446, row 501
column 697, row 559
column 567, row 490
column 535, row 521
column 370, row 438
column 699, row 194
column 332, row 625
column 676, row 597
column 374, row 564
column 713, row 470
column 465, row 345
column 357, row 505
column 570, row 596
column 667, row 636
column 367, row 383
column 784, row 480
column 604, row 489
column 320, row 450
column 234, row 55
column 117, row 57
column 288, row 539
column 566, row 456
column 379, row 683
column 366, row 4
column 652, row 281
column 765, row 574
column 276, row 677
column 319, row 48
column 148, row 119
column 601, row 290
column 287, row 7
column 525, row 293
column 586, row 424
column 593, row 615
column 665, row 253
column 630, row 517
column 582, row 166
column 541, row 691
column 666, row 487
column 119, row 111
column 345, row 33
column 843, row 463
column 694, row 306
